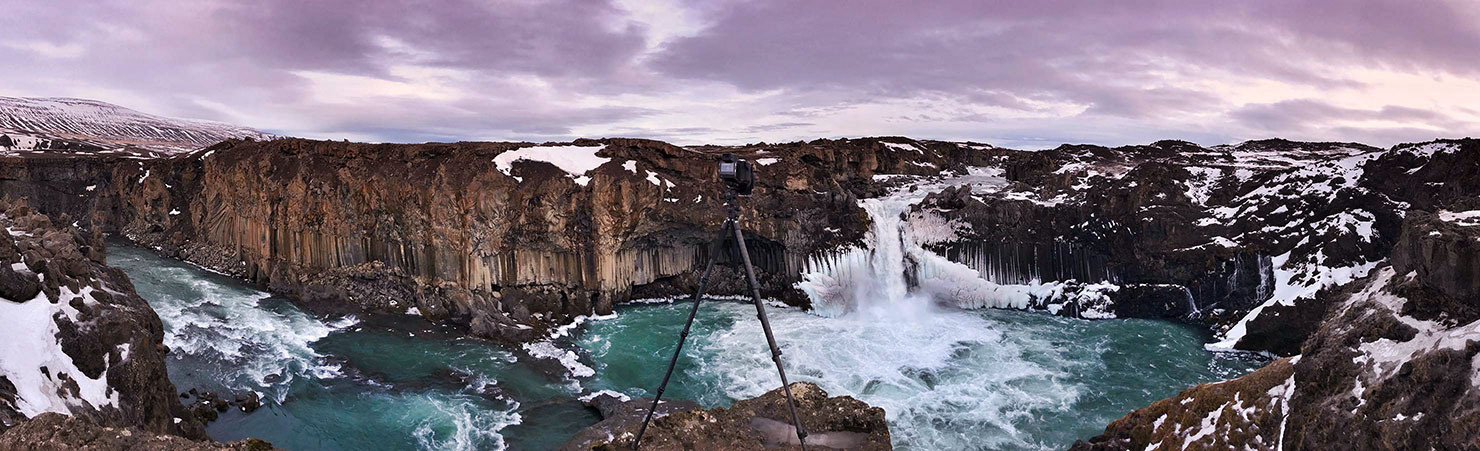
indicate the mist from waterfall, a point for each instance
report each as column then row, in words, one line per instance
column 894, row 276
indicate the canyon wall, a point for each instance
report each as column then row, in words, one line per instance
column 1241, row 239
column 446, row 229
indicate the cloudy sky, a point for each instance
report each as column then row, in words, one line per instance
column 1023, row 74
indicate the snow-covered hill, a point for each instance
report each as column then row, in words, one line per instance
column 81, row 125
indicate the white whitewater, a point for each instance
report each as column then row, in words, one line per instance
column 256, row 347
column 876, row 278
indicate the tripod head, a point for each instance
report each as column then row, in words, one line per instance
column 738, row 175
column 739, row 179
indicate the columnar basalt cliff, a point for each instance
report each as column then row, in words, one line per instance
column 514, row 237
column 79, row 341
column 447, row 229
column 1356, row 258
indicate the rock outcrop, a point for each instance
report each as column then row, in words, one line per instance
column 79, row 341
column 53, row 431
column 1393, row 365
column 753, row 424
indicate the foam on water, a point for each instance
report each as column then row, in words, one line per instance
column 938, row 376
column 254, row 345
column 946, row 378
column 472, row 427
column 334, row 383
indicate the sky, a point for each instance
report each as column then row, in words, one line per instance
column 1024, row 74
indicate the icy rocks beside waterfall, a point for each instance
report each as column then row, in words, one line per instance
column 763, row 422
column 1394, row 363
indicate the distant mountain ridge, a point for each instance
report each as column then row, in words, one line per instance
column 83, row 125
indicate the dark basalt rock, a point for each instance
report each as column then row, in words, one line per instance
column 1445, row 255
column 116, row 320
column 753, row 424
column 384, row 227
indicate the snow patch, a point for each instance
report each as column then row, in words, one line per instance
column 1463, row 218
column 574, row 160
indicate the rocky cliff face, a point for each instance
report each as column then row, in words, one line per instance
column 79, row 341
column 1393, row 365
column 513, row 237
column 503, row 245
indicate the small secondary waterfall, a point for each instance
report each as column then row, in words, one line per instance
column 1191, row 303
column 1266, row 278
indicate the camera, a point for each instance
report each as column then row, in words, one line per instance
column 737, row 174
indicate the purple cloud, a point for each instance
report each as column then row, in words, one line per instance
column 1013, row 72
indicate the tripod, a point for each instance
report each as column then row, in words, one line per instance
column 731, row 226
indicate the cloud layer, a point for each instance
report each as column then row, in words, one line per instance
column 1025, row 74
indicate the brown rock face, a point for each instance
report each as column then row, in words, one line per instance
column 52, row 431
column 1184, row 231
column 102, row 326
column 445, row 229
column 753, row 424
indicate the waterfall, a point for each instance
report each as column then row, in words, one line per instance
column 888, row 257
column 876, row 279
column 1191, row 303
column 1266, row 278
column 893, row 276
column 872, row 278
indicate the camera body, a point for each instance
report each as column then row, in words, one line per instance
column 737, row 173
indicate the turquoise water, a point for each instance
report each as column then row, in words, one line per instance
column 949, row 379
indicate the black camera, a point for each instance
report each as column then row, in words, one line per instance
column 737, row 174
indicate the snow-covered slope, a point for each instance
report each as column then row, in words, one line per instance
column 81, row 125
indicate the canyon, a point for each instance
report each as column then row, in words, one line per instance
column 1277, row 247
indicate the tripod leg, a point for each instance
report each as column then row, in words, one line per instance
column 682, row 336
column 760, row 312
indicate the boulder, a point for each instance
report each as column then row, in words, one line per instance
column 759, row 423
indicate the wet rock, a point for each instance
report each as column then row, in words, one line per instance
column 204, row 413
column 753, row 424
column 248, row 402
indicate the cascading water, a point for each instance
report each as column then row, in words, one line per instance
column 888, row 246
column 877, row 278
column 1192, row 310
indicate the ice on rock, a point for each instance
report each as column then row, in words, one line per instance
column 895, row 274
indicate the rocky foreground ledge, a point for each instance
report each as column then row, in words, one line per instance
column 82, row 356
column 758, row 423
